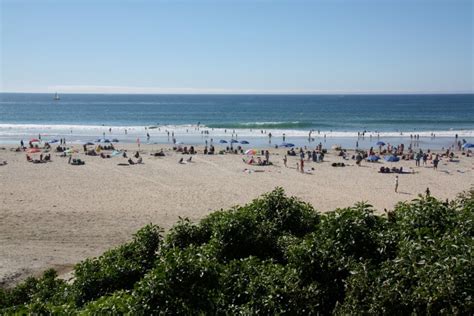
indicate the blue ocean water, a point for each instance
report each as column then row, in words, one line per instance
column 388, row 113
column 335, row 119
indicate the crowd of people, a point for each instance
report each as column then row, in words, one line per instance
column 303, row 154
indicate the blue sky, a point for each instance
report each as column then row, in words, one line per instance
column 333, row 46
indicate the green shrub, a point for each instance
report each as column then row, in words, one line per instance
column 47, row 289
column 288, row 215
column 184, row 233
column 119, row 303
column 117, row 269
column 182, row 282
column 253, row 286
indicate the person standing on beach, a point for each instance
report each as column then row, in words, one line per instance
column 284, row 136
column 435, row 162
column 417, row 158
column 285, row 160
column 302, row 165
column 396, row 184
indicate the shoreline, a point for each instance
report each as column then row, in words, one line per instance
column 11, row 134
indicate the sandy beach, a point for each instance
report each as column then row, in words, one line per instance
column 52, row 215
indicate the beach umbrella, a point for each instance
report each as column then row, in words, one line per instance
column 89, row 144
column 35, row 140
column 251, row 152
column 115, row 140
column 34, row 150
column 223, row 141
column 287, row 145
column 380, row 143
column 244, row 142
column 53, row 141
column 373, row 158
column 468, row 145
column 391, row 158
column 233, row 141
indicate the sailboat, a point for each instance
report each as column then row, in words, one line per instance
column 56, row 97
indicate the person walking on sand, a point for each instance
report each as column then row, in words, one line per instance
column 285, row 160
column 396, row 184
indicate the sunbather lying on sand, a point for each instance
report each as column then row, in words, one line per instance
column 77, row 162
column 159, row 154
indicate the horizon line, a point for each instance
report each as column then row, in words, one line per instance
column 105, row 89
column 248, row 93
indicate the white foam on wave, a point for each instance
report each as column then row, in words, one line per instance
column 18, row 131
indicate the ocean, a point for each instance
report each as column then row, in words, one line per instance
column 85, row 117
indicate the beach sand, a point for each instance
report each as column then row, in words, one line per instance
column 53, row 215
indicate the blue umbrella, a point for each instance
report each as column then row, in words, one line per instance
column 233, row 141
column 380, row 143
column 115, row 140
column 373, row 158
column 287, row 145
column 391, row 158
column 89, row 144
column 53, row 141
column 244, row 142
column 223, row 141
column 468, row 145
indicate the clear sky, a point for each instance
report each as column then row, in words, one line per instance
column 228, row 46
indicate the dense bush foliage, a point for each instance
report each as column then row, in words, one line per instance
column 277, row 255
